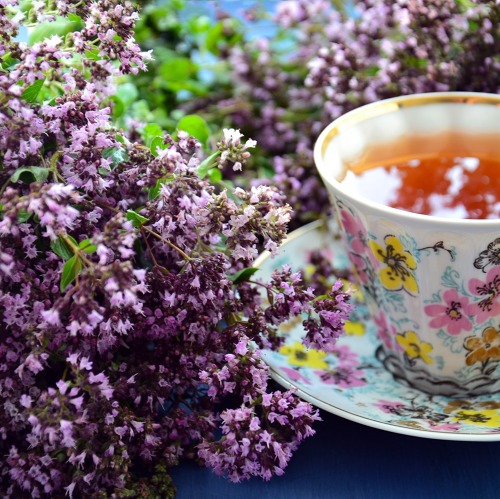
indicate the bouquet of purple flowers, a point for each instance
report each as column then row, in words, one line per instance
column 131, row 316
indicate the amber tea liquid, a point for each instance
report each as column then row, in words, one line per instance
column 449, row 175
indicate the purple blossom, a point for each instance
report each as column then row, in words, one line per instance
column 233, row 150
column 341, row 59
column 333, row 312
column 126, row 325
column 246, row 449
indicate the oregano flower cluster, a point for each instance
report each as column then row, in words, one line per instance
column 131, row 316
column 339, row 56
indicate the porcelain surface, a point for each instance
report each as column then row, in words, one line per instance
column 432, row 283
column 353, row 382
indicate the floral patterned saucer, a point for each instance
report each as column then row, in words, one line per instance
column 352, row 382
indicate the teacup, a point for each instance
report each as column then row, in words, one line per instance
column 432, row 283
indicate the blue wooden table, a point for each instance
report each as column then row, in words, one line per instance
column 352, row 461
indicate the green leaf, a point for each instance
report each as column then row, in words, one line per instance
column 31, row 93
column 8, row 61
column 466, row 4
column 177, row 69
column 140, row 110
column 60, row 26
column 192, row 87
column 119, row 107
column 30, row 174
column 195, row 126
column 154, row 191
column 417, row 62
column 219, row 37
column 23, row 216
column 93, row 54
column 60, row 248
column 116, row 154
column 150, row 132
column 199, row 24
column 215, row 175
column 155, row 143
column 242, row 275
column 214, row 38
column 127, row 93
column 473, row 25
column 136, row 219
column 372, row 71
column 74, row 18
column 87, row 246
column 152, row 129
column 206, row 165
column 69, row 272
column 322, row 297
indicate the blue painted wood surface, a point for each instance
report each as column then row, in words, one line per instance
column 352, row 461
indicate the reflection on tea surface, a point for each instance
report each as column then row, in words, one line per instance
column 441, row 184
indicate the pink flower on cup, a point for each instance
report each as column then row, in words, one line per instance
column 358, row 237
column 294, row 375
column 389, row 407
column 357, row 242
column 489, row 292
column 386, row 331
column 345, row 356
column 450, row 315
column 342, row 377
column 444, row 426
column 359, row 268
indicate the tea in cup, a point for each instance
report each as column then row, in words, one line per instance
column 415, row 182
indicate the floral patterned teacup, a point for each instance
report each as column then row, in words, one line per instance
column 432, row 283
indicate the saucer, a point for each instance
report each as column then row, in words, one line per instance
column 352, row 382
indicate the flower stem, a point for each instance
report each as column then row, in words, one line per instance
column 76, row 250
column 166, row 241
column 163, row 269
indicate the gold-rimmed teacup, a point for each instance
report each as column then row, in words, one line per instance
column 432, row 283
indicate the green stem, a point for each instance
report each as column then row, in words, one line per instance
column 163, row 269
column 149, row 231
column 53, row 167
column 76, row 250
column 166, row 241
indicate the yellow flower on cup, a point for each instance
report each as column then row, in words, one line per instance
column 471, row 405
column 354, row 289
column 486, row 417
column 396, row 274
column 483, row 349
column 354, row 328
column 413, row 347
column 301, row 356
